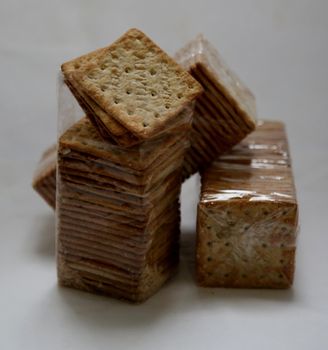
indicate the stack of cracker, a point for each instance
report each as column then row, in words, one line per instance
column 226, row 111
column 248, row 215
column 44, row 178
column 118, row 192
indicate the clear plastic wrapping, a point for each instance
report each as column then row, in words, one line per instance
column 118, row 211
column 226, row 111
column 248, row 214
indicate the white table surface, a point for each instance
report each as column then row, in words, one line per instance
column 280, row 48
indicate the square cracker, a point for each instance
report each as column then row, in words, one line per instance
column 137, row 84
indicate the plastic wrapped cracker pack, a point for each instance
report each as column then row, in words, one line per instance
column 105, row 205
column 248, row 215
column 224, row 114
column 117, row 208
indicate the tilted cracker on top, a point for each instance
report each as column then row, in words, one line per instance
column 248, row 215
column 136, row 83
column 224, row 114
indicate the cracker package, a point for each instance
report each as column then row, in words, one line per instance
column 226, row 111
column 120, row 169
column 44, row 178
column 248, row 215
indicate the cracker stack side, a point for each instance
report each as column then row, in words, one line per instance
column 226, row 111
column 118, row 226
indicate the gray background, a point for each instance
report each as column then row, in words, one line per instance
column 279, row 48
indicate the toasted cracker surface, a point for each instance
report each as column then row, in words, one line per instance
column 137, row 83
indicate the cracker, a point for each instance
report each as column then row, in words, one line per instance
column 248, row 216
column 137, row 84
